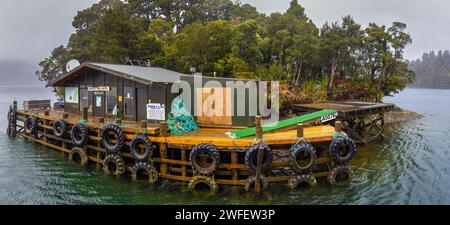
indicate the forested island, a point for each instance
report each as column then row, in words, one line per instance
column 341, row 60
column 432, row 70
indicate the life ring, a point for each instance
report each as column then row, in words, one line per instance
column 250, row 182
column 340, row 176
column 199, row 182
column 114, row 164
column 31, row 126
column 79, row 155
column 112, row 131
column 59, row 128
column 342, row 149
column 301, row 180
column 251, row 156
column 135, row 144
column 80, row 134
column 303, row 156
column 143, row 171
column 205, row 159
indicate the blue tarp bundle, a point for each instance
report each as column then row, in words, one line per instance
column 180, row 119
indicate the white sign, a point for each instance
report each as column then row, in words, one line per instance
column 99, row 89
column 156, row 111
column 327, row 118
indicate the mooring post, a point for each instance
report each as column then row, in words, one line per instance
column 65, row 116
column 14, row 122
column 259, row 136
column 85, row 113
column 338, row 126
column 300, row 130
column 163, row 146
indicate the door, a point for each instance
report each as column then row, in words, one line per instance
column 129, row 103
column 99, row 104
column 142, row 102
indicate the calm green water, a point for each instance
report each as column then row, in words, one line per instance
column 412, row 166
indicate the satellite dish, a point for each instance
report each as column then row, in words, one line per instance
column 72, row 64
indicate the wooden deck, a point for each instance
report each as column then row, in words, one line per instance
column 348, row 109
column 216, row 136
column 363, row 121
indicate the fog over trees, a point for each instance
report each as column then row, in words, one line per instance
column 432, row 70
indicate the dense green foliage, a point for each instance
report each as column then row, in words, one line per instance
column 339, row 61
column 432, row 71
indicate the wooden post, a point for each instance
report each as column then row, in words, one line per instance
column 338, row 126
column 46, row 113
column 163, row 146
column 118, row 121
column 85, row 113
column 101, row 120
column 183, row 158
column 234, row 161
column 258, row 127
column 259, row 136
column 13, row 125
column 143, row 124
column 65, row 116
column 300, row 130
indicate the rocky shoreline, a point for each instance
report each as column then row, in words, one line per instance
column 399, row 115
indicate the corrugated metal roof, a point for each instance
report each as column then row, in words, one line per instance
column 154, row 74
column 139, row 74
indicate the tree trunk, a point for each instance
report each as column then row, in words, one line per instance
column 299, row 72
column 332, row 76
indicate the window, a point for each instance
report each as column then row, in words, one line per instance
column 71, row 95
column 111, row 101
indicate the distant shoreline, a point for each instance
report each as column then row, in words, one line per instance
column 428, row 88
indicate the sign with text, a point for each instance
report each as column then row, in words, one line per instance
column 99, row 89
column 331, row 117
column 156, row 111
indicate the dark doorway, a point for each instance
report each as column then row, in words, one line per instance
column 129, row 101
column 142, row 101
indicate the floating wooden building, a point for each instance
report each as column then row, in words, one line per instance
column 106, row 123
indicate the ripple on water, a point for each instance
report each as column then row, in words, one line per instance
column 409, row 167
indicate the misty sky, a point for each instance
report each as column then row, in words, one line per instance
column 30, row 29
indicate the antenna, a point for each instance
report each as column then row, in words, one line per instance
column 72, row 64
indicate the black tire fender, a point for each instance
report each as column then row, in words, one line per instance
column 118, row 134
column 295, row 181
column 31, row 125
column 150, row 171
column 213, row 187
column 60, row 128
column 134, row 147
column 211, row 152
column 251, row 181
column 113, row 164
column 340, row 176
column 251, row 156
column 305, row 150
column 342, row 143
column 81, row 153
column 80, row 134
